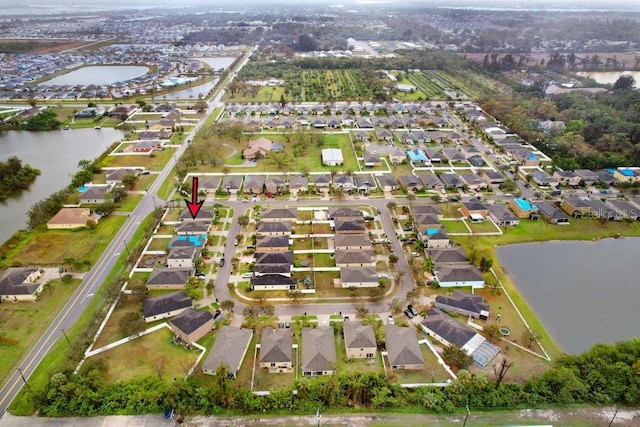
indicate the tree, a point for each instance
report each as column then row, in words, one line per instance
column 279, row 159
column 456, row 357
column 486, row 264
column 393, row 258
column 243, row 220
column 500, row 370
column 528, row 338
column 130, row 181
column 361, row 310
column 396, row 305
column 132, row 323
column 91, row 224
column 625, row 82
column 492, row 330
column 106, row 208
column 412, row 296
column 201, row 106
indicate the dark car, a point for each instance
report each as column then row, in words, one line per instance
column 221, row 263
column 412, row 310
column 409, row 314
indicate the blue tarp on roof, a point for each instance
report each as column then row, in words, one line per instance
column 431, row 231
column 417, row 156
column 197, row 240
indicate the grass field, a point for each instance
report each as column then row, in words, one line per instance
column 154, row 161
column 52, row 247
column 265, row 94
column 25, row 322
column 151, row 355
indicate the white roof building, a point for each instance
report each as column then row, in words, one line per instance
column 332, row 157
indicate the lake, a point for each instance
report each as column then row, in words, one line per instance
column 101, row 75
column 56, row 154
column 192, row 92
column 583, row 292
column 609, row 77
column 217, row 62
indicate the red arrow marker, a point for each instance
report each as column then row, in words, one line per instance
column 194, row 205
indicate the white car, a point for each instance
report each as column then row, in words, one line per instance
column 247, row 275
column 390, row 320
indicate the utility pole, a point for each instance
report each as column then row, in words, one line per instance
column 466, row 416
column 24, row 380
column 65, row 336
column 127, row 248
column 614, row 417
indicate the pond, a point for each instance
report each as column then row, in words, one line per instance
column 583, row 292
column 218, row 63
column 609, row 77
column 101, row 75
column 56, row 154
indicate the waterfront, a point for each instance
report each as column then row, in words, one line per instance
column 99, row 75
column 609, row 77
column 583, row 292
column 56, row 154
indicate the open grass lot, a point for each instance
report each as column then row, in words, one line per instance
column 264, row 94
column 455, row 226
column 111, row 331
column 154, row 161
column 144, row 181
column 151, row 355
column 265, row 381
column 159, row 244
column 130, row 202
column 486, row 226
column 25, row 322
column 52, row 247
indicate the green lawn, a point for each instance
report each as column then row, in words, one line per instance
column 154, row 161
column 455, row 226
column 159, row 244
column 151, row 355
column 431, row 372
column 483, row 227
column 25, row 322
column 265, row 94
column 52, row 247
column 355, row 365
column 130, row 203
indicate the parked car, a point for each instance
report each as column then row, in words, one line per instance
column 235, row 242
column 221, row 262
column 248, row 275
column 409, row 314
column 412, row 309
column 390, row 320
column 200, row 275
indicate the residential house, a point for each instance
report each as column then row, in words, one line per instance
column 473, row 181
column 502, row 216
column 365, row 183
column 197, row 240
column 123, row 111
column 344, row 212
column 474, row 210
column 318, row 351
column 276, row 350
column 273, row 282
column 352, row 242
column 431, row 181
column 435, row 156
column 232, row 183
column 362, row 135
column 424, row 222
column 387, row 182
column 354, row 258
column 575, row 206
column 228, row 350
column 275, row 184
column 191, row 325
column 454, row 156
column 181, row 257
column 551, row 213
column 364, row 123
column 322, row 183
column 68, row 218
column 113, row 177
column 411, row 183
column 168, row 278
column 371, row 160
column 359, row 277
column 384, row 135
column 164, row 306
column 190, row 228
column 419, row 210
column 567, row 178
column 494, row 179
column 272, row 243
column 403, row 349
column 451, row 180
column 627, row 174
column 397, row 156
column 459, row 276
column 298, row 184
column 543, row 179
column 204, row 215
column 606, row 177
column 279, row 214
column 209, row 184
column 449, row 331
column 254, row 184
column 274, row 228
column 627, row 209
column 343, row 182
column 349, row 226
column 273, row 263
column 448, row 256
column 20, row 284
column 258, row 148
column 523, row 208
column 468, row 305
column 587, row 176
column 417, row 155
column 147, row 146
column 436, row 238
column 332, row 157
column 599, row 209
column 95, row 195
column 359, row 341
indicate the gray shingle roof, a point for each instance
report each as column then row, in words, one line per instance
column 449, row 329
column 229, row 348
column 358, row 274
column 357, row 335
column 190, row 320
column 274, row 227
column 169, row 276
column 280, row 213
column 464, row 301
column 318, row 349
column 12, row 282
column 402, row 346
column 165, row 303
column 276, row 346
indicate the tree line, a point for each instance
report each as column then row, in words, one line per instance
column 606, row 374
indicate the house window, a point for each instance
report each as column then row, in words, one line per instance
column 369, row 355
column 273, row 364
